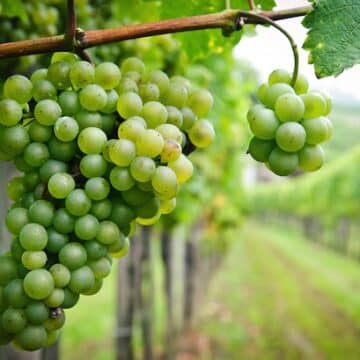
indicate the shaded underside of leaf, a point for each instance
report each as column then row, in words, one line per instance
column 334, row 36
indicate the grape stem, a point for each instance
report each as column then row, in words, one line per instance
column 70, row 32
column 266, row 20
column 227, row 4
column 252, row 5
column 86, row 39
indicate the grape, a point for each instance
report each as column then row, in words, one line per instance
column 328, row 101
column 108, row 233
column 61, row 185
column 261, row 94
column 82, row 73
column 142, row 168
column 176, row 95
column 70, row 299
column 301, row 84
column 93, row 165
column 66, row 128
column 82, row 280
column 122, row 152
column 111, row 102
column 97, row 188
column 36, row 154
column 15, row 220
column 170, row 132
column 149, row 209
column 56, row 241
column 129, row 104
column 135, row 196
column 13, row 320
column 283, row 163
column 131, row 128
column 60, row 150
column 33, row 237
column 171, row 151
column 39, row 74
column 38, row 284
column 92, row 140
column 31, row 338
column 127, row 85
column 260, row 149
column 55, row 299
column 183, row 168
column 279, row 76
column 315, row 105
column 63, row 222
column 159, row 78
column 8, row 270
column 34, row 259
column 60, row 274
column 108, row 122
column 44, row 89
column 51, row 167
column 95, row 250
column 176, row 117
column 47, row 112
column 73, row 255
column 164, row 182
column 78, row 203
column 40, row 133
column 36, row 312
column 14, row 294
column 149, row 92
column 42, row 212
column 101, row 267
column 86, row 227
column 93, row 97
column 289, row 107
column 274, row 92
column 107, row 75
column 69, row 103
column 18, row 88
column 14, row 139
column 316, row 130
column 311, row 157
column 133, row 64
column 167, row 206
column 290, row 137
column 10, row 112
column 58, row 74
column 121, row 179
column 201, row 102
column 202, row 134
column 154, row 113
column 87, row 119
column 149, row 143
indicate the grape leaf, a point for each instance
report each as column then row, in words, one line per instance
column 333, row 36
column 13, row 8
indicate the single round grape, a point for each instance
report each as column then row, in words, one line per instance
column 66, row 128
column 69, row 103
column 18, row 88
column 44, row 89
column 290, row 136
column 120, row 252
column 36, row 312
column 149, row 221
column 183, row 168
column 61, row 275
column 33, row 237
column 92, row 140
column 58, row 74
column 14, row 139
column 129, row 104
column 149, row 92
column 39, row 133
column 86, row 227
column 70, row 299
column 122, row 215
column 171, row 151
column 47, row 112
column 154, row 113
column 202, row 134
column 14, row 294
column 38, row 284
column 42, row 212
column 16, row 188
column 93, row 97
column 36, row 154
column 13, row 320
column 73, row 255
column 133, row 64
column 82, row 73
column 260, row 149
column 176, row 95
column 283, row 163
column 311, row 157
column 142, row 168
column 301, row 84
column 127, row 85
column 60, row 185
column 108, row 233
column 167, row 206
column 60, row 150
column 149, row 143
column 63, row 222
column 69, row 57
column 131, row 128
column 315, row 105
column 111, row 102
column 8, row 270
column 176, row 117
column 82, row 279
column 122, row 152
column 39, row 74
column 108, row 122
column 149, row 209
column 135, row 196
column 10, row 112
column 329, row 126
column 328, row 101
column 107, row 75
column 317, row 130
column 169, row 131
column 274, row 92
column 55, row 299
column 261, row 93
column 31, row 180
column 95, row 250
column 56, row 241
column 159, row 78
column 263, row 122
column 201, row 102
column 97, row 188
column 34, row 259
column 101, row 209
column 31, row 338
column 78, row 203
column 16, row 219
column 279, row 76
column 289, row 107
column 121, row 179
column 164, row 182
column 93, row 165
column 51, row 167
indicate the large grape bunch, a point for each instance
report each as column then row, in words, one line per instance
column 101, row 149
column 289, row 125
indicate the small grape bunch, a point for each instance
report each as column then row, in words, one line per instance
column 289, row 125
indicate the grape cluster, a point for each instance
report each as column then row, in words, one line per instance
column 101, row 149
column 289, row 125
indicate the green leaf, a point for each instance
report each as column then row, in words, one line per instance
column 13, row 8
column 333, row 38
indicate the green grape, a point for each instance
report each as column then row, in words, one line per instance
column 108, row 122
column 201, row 102
column 16, row 252
column 47, row 112
column 13, row 320
column 36, row 154
column 170, row 132
column 10, row 112
column 18, row 88
column 317, row 130
column 94, row 249
column 70, row 299
column 93, row 165
column 82, row 73
column 149, row 209
column 274, row 92
column 171, row 151
column 60, row 185
column 60, row 274
column 311, row 157
column 202, row 134
column 16, row 218
column 132, row 128
column 31, row 180
column 129, row 104
column 149, row 143
column 159, row 78
column 14, row 139
column 135, row 196
column 101, row 209
column 279, row 76
column 154, row 113
column 36, row 312
column 56, row 241
column 122, row 152
column 149, row 92
column 108, row 233
column 261, row 94
column 290, row 136
column 33, row 237
column 176, row 95
column 122, row 215
column 38, row 284
column 78, row 203
column 93, row 97
column 289, row 107
column 55, row 299
column 42, row 212
column 50, row 168
column 40, row 133
column 44, row 89
column 121, row 179
column 86, row 227
column 164, row 182
column 183, row 168
column 133, row 75
column 16, row 188
column 71, row 58
column 133, row 64
column 101, row 267
column 301, row 84
column 283, row 163
column 97, row 188
column 31, row 338
column 167, row 206
column 92, row 140
column 176, row 117
column 263, row 122
column 66, row 128
column 34, row 259
column 39, row 74
column 8, row 270
column 142, row 168
column 87, row 119
column 127, row 85
column 14, row 294
column 58, row 74
column 329, row 126
column 69, row 103
column 118, row 253
column 73, row 255
column 111, row 102
column 328, row 101
column 261, row 149
column 21, row 165
column 315, row 105
column 149, row 221
column 60, row 150
column 63, row 222
column 82, row 280
column 107, row 75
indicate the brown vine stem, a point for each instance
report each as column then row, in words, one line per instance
column 70, row 32
column 252, row 5
column 222, row 20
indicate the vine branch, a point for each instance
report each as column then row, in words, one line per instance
column 252, row 5
column 70, row 32
column 86, row 39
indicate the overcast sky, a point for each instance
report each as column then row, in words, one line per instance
column 270, row 50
